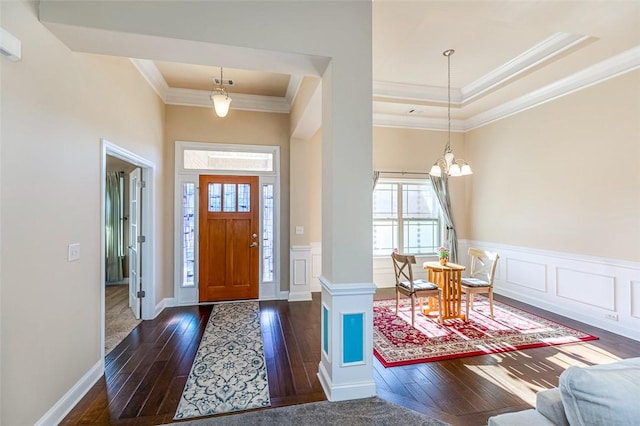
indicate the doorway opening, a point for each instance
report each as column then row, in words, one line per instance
column 127, row 255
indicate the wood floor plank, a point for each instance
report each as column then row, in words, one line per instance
column 146, row 374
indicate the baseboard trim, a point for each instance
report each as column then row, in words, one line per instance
column 64, row 405
column 344, row 392
column 299, row 297
column 167, row 302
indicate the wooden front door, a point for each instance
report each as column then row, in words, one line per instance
column 228, row 256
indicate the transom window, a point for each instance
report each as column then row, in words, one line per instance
column 197, row 159
column 407, row 217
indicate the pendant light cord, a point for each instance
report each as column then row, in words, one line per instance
column 449, row 100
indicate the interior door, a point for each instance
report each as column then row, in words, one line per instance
column 135, row 283
column 229, row 253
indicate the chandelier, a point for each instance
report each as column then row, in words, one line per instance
column 448, row 163
column 220, row 98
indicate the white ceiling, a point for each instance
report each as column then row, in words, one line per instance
column 510, row 56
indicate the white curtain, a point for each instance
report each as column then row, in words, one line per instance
column 113, row 232
column 441, row 188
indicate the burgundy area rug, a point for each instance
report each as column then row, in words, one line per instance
column 396, row 342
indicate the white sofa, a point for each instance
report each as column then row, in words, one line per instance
column 607, row 395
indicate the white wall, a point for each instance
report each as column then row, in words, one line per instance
column 56, row 106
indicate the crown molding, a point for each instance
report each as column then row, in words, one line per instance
column 201, row 98
column 150, row 72
column 416, row 122
column 538, row 54
column 610, row 68
column 414, row 92
column 239, row 101
column 617, row 65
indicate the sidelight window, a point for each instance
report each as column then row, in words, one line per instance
column 188, row 234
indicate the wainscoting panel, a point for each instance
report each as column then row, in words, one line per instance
column 300, row 273
column 635, row 299
column 599, row 291
column 589, row 288
column 316, row 266
column 526, row 274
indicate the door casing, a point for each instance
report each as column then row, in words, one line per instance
column 148, row 258
column 186, row 295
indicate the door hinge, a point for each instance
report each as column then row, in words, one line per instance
column 141, row 238
column 140, row 294
column 143, row 184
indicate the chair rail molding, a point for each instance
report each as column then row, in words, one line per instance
column 598, row 291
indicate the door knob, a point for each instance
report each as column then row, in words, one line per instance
column 253, row 244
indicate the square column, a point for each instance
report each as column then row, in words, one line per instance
column 346, row 363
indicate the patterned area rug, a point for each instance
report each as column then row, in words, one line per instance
column 229, row 371
column 396, row 342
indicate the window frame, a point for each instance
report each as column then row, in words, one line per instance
column 400, row 219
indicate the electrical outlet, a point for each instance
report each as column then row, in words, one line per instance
column 612, row 317
column 74, row 252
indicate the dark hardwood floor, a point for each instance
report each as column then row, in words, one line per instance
column 145, row 374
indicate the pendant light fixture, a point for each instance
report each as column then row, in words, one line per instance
column 448, row 163
column 220, row 98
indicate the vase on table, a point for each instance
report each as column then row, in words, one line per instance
column 443, row 261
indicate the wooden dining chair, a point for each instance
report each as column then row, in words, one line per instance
column 410, row 287
column 483, row 268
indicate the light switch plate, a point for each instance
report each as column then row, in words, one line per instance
column 74, row 252
column 299, row 230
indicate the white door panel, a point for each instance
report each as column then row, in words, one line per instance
column 135, row 286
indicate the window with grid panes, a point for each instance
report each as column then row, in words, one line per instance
column 406, row 216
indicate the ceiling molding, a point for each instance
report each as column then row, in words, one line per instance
column 414, row 92
column 613, row 67
column 617, row 65
column 150, row 72
column 201, row 98
column 239, row 101
column 538, row 54
column 415, row 122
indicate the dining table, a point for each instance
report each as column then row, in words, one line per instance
column 449, row 278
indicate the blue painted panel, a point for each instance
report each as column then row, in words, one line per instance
column 353, row 338
column 325, row 330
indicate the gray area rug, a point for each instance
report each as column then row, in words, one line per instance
column 359, row 412
column 229, row 370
